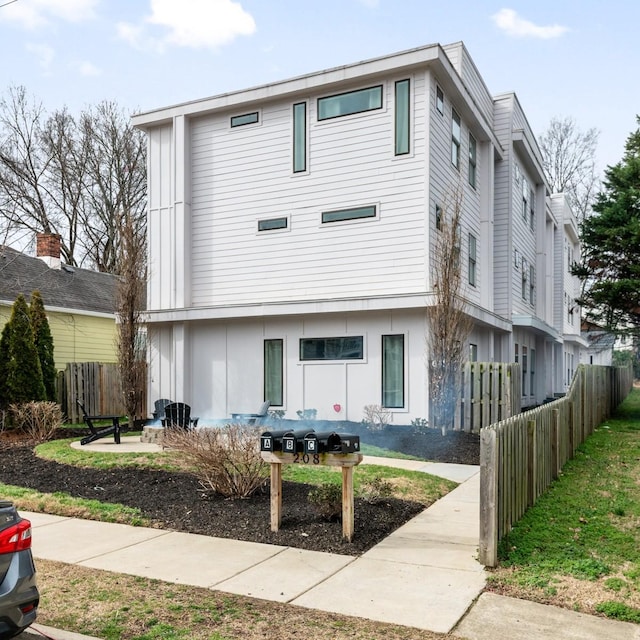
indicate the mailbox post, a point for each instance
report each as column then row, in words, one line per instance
column 330, row 449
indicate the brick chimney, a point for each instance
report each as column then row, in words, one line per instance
column 48, row 249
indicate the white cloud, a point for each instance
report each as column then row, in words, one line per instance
column 87, row 68
column 512, row 24
column 33, row 14
column 43, row 53
column 190, row 23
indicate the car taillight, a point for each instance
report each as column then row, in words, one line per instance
column 16, row 538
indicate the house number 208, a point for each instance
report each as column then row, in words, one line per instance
column 305, row 458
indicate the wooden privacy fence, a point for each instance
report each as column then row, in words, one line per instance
column 95, row 384
column 522, row 455
column 491, row 391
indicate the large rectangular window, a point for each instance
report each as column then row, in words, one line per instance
column 472, row 259
column 472, row 161
column 273, row 372
column 344, row 104
column 246, row 118
column 393, row 371
column 300, row 137
column 455, row 139
column 347, row 348
column 402, row 116
column 349, row 214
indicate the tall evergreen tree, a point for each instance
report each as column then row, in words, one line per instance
column 610, row 267
column 4, row 365
column 24, row 375
column 44, row 344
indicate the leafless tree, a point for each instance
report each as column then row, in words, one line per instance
column 131, row 259
column 449, row 325
column 78, row 177
column 569, row 160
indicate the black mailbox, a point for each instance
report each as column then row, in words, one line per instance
column 271, row 440
column 292, row 441
column 344, row 443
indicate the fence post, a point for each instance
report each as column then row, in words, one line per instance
column 488, row 547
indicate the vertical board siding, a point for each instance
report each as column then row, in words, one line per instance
column 523, row 454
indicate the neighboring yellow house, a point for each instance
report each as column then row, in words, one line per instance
column 79, row 303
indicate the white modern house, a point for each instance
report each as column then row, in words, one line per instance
column 291, row 228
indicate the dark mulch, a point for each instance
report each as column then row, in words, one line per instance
column 174, row 500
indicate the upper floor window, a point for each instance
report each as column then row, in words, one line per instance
column 299, row 137
column 438, row 217
column 347, row 348
column 532, row 283
column 272, row 224
column 344, row 104
column 525, row 275
column 245, row 118
column 455, row 139
column 525, row 198
column 472, row 161
column 439, row 101
column 532, row 211
column 402, row 117
column 472, row 260
column 349, row 214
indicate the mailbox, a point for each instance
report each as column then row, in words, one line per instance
column 292, row 441
column 271, row 440
column 331, row 442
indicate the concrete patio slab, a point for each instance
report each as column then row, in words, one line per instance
column 73, row 540
column 286, row 576
column 413, row 595
column 128, row 444
column 186, row 558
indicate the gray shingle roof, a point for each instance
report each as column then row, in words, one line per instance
column 68, row 287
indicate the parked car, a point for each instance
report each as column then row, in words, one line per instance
column 19, row 595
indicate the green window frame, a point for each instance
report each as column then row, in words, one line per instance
column 271, row 224
column 245, row 118
column 274, row 371
column 356, row 213
column 338, row 348
column 393, row 371
column 402, row 117
column 350, row 102
column 472, row 161
column 299, row 137
column 456, row 129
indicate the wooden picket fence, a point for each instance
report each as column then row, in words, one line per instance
column 95, row 384
column 522, row 455
column 491, row 391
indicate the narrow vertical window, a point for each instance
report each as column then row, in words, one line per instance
column 402, row 117
column 525, row 196
column 524, row 371
column 439, row 101
column 472, row 259
column 532, row 369
column 393, row 371
column 472, row 161
column 532, row 283
column 516, row 353
column 455, row 139
column 273, row 372
column 438, row 217
column 532, row 211
column 525, row 274
column 473, row 352
column 299, row 137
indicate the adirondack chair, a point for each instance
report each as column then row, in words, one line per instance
column 178, row 415
column 253, row 418
column 159, row 406
column 99, row 432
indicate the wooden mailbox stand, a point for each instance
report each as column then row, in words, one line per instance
column 345, row 460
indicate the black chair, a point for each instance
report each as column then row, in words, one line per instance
column 177, row 415
column 100, row 432
column 253, row 418
column 159, row 406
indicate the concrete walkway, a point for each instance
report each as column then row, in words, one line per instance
column 423, row 575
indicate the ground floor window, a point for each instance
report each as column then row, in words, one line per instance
column 273, row 372
column 393, row 371
column 347, row 348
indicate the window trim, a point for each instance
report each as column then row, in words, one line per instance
column 405, row 145
column 438, row 217
column 319, row 101
column 439, row 100
column 473, row 259
column 296, row 132
column 281, row 371
column 326, row 216
column 359, row 358
column 455, row 139
column 384, row 393
column 473, row 160
column 532, row 284
column 244, row 115
column 285, row 227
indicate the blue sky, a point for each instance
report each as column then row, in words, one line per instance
column 563, row 58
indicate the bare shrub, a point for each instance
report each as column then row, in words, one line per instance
column 376, row 490
column 226, row 460
column 326, row 500
column 37, row 420
column 376, row 418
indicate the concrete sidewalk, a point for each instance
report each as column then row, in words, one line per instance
column 423, row 575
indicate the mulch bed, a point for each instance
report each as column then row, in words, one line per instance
column 174, row 500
